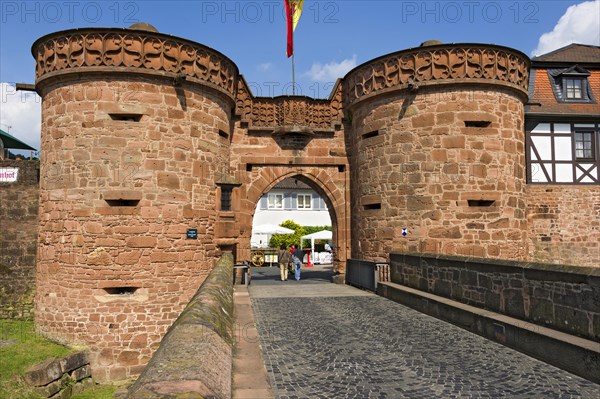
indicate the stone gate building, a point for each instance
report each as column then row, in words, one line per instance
column 146, row 135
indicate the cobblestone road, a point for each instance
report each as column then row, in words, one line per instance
column 322, row 340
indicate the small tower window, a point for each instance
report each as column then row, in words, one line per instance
column 226, row 197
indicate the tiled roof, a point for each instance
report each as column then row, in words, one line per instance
column 291, row 183
column 544, row 96
column 573, row 53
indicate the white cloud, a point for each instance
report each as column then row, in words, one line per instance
column 21, row 110
column 330, row 72
column 264, row 67
column 579, row 24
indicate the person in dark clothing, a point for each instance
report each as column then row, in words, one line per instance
column 283, row 257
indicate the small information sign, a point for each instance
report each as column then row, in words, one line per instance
column 9, row 175
column 192, row 234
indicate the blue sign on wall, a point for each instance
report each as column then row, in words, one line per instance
column 192, row 234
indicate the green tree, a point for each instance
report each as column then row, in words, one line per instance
column 287, row 239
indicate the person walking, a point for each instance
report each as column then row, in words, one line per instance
column 297, row 256
column 284, row 257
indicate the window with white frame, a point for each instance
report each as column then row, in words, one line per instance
column 275, row 201
column 573, row 88
column 304, row 201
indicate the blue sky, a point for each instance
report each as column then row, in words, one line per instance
column 331, row 37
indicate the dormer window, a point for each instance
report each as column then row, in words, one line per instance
column 570, row 85
column 573, row 88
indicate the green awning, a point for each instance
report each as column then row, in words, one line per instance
column 13, row 142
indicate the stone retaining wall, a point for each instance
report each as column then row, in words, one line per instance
column 19, row 223
column 560, row 297
column 195, row 356
column 61, row 378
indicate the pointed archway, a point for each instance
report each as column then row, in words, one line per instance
column 329, row 182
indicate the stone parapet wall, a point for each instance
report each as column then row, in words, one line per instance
column 560, row 297
column 18, row 239
column 195, row 357
column 564, row 224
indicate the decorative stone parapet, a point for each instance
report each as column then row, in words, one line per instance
column 438, row 64
column 128, row 50
column 264, row 113
column 195, row 356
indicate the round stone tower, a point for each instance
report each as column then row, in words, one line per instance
column 437, row 144
column 135, row 136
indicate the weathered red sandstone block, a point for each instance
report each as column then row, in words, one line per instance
column 444, row 118
column 93, row 228
column 439, row 155
column 499, row 224
column 453, row 142
column 445, row 232
column 129, row 257
column 416, row 203
column 168, row 180
column 423, row 120
column 141, row 242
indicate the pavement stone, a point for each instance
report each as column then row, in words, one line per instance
column 359, row 345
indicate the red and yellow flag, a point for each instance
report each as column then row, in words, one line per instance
column 293, row 10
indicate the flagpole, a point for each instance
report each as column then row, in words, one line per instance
column 293, row 73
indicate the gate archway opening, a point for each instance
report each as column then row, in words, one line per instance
column 320, row 180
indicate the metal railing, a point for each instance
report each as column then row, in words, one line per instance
column 242, row 277
column 366, row 274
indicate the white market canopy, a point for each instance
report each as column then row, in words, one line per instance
column 271, row 229
column 319, row 235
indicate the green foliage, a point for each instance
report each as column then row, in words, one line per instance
column 98, row 392
column 294, row 239
column 29, row 348
column 287, row 239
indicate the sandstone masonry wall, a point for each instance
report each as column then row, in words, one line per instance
column 445, row 163
column 129, row 163
column 18, row 239
column 564, row 224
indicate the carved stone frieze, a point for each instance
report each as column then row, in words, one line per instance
column 439, row 64
column 264, row 113
column 114, row 50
